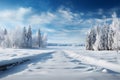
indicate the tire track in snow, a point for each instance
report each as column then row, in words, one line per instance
column 92, row 61
column 84, row 67
column 58, row 61
column 61, row 61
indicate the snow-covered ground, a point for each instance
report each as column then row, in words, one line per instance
column 17, row 55
column 61, row 63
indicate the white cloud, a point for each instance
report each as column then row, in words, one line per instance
column 82, row 14
column 59, row 18
column 66, row 14
column 43, row 18
column 55, row 23
column 67, row 17
column 100, row 11
column 13, row 17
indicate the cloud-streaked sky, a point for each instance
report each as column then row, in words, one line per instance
column 65, row 21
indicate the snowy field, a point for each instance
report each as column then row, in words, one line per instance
column 60, row 63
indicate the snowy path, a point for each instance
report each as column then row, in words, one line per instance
column 58, row 66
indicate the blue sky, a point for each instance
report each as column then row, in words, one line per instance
column 64, row 21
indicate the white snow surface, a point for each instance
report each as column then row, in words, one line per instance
column 8, row 56
column 61, row 63
column 94, row 61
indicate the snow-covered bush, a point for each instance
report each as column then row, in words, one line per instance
column 105, row 36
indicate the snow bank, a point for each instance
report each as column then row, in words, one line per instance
column 94, row 61
column 11, row 57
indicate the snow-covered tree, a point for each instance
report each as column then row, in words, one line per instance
column 44, row 40
column 24, row 38
column 6, row 43
column 110, row 39
column 1, row 36
column 91, row 38
column 89, row 42
column 5, row 31
column 96, row 45
column 116, row 28
column 29, row 37
column 105, row 37
column 16, row 38
column 6, row 39
column 39, row 39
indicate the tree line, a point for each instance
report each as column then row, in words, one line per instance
column 22, row 38
column 105, row 36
